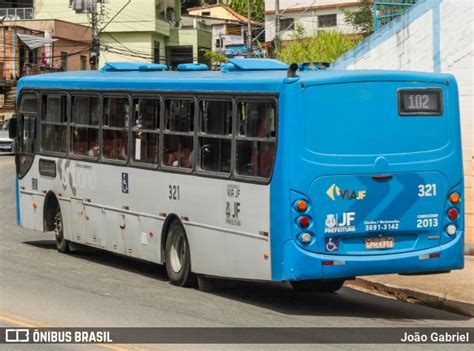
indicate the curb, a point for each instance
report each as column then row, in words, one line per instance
column 442, row 302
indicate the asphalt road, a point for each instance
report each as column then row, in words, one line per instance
column 41, row 287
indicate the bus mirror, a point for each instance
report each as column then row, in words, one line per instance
column 12, row 132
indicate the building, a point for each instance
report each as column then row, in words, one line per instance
column 312, row 16
column 229, row 28
column 38, row 46
column 138, row 30
column 426, row 38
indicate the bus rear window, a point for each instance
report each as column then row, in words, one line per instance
column 363, row 119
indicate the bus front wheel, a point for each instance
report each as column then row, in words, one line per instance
column 178, row 256
column 61, row 244
column 321, row 286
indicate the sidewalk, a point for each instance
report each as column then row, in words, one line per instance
column 452, row 291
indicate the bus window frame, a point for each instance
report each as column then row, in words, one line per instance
column 36, row 145
column 200, row 134
column 163, row 131
column 158, row 96
column 40, row 122
column 236, row 136
column 114, row 95
column 196, row 95
column 71, row 125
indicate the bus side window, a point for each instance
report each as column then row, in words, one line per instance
column 178, row 136
column 255, row 144
column 145, row 130
column 215, row 137
column 54, row 123
column 115, row 128
column 85, row 125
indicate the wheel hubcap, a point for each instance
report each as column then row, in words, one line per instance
column 58, row 228
column 177, row 253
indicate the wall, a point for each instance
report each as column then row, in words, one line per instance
column 292, row 4
column 309, row 20
column 434, row 36
column 126, row 46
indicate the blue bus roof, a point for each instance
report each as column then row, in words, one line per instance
column 265, row 80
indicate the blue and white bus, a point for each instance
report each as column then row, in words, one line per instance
column 259, row 171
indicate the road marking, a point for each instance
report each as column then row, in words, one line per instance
column 21, row 321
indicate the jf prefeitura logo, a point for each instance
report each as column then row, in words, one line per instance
column 335, row 192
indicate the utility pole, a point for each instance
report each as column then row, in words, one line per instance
column 95, row 44
column 277, row 26
column 249, row 29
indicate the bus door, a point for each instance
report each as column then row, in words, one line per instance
column 24, row 157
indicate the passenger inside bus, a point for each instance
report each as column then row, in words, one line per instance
column 255, row 157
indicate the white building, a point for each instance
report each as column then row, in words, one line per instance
column 229, row 28
column 313, row 16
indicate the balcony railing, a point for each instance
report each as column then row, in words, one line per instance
column 13, row 14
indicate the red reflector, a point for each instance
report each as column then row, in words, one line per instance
column 434, row 255
column 453, row 213
column 328, row 263
column 304, row 221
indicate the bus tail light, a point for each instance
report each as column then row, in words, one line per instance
column 453, row 213
column 304, row 221
column 454, row 198
column 301, row 205
column 451, row 229
column 306, row 238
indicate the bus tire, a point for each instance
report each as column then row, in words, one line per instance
column 62, row 245
column 178, row 256
column 320, row 286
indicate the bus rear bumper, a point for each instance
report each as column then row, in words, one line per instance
column 305, row 265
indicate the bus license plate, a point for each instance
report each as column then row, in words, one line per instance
column 379, row 243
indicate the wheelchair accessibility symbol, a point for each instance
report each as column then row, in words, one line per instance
column 332, row 244
column 125, row 183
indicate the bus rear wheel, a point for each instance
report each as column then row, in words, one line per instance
column 62, row 244
column 321, row 286
column 178, row 256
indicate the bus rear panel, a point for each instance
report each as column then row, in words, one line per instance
column 378, row 164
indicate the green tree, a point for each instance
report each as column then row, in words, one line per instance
column 325, row 47
column 213, row 57
column 258, row 8
column 362, row 19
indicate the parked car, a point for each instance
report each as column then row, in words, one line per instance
column 6, row 144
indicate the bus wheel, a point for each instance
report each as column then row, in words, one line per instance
column 61, row 244
column 328, row 286
column 178, row 257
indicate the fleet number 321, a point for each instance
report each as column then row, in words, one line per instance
column 426, row 190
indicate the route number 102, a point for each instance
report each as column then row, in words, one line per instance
column 426, row 190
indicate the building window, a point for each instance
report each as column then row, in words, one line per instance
column 178, row 135
column 63, row 60
column 146, row 130
column 256, row 138
column 156, row 52
column 327, row 21
column 115, row 128
column 206, row 13
column 83, row 63
column 54, row 123
column 233, row 29
column 215, row 136
column 85, row 117
column 287, row 23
